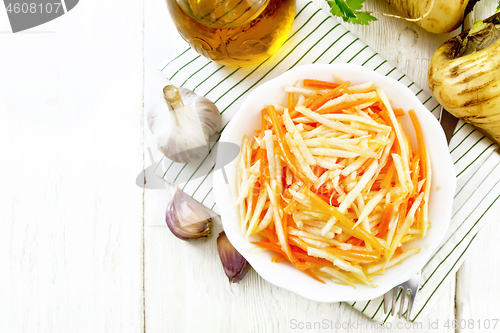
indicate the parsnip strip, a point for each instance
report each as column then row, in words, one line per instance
column 317, row 131
column 317, row 231
column 334, row 101
column 318, row 253
column 321, row 142
column 397, row 128
column 315, row 243
column 409, row 182
column 333, row 152
column 384, row 158
column 299, row 142
column 278, row 225
column 357, row 271
column 361, row 87
column 248, row 153
column 315, row 226
column 399, row 171
column 299, row 90
column 261, row 201
column 249, row 214
column 324, row 163
column 396, row 260
column 404, row 228
column 352, row 118
column 306, row 169
column 289, row 176
column 240, row 207
column 370, row 206
column 332, row 124
column 268, row 139
column 301, row 99
column 279, row 180
column 353, row 166
column 351, row 196
column 336, row 273
column 348, row 98
column 307, row 214
column 266, row 220
column 249, row 184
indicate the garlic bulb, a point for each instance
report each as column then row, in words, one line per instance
column 234, row 264
column 182, row 124
column 186, row 217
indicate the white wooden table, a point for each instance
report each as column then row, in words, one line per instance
column 83, row 249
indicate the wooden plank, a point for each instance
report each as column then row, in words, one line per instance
column 168, row 292
column 70, row 136
column 477, row 291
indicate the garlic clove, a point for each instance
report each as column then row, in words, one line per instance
column 234, row 264
column 186, row 217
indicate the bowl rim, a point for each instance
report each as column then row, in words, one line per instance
column 439, row 146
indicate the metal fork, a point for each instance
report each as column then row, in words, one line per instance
column 410, row 286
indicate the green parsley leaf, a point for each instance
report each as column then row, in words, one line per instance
column 362, row 18
column 349, row 11
column 498, row 7
column 355, row 4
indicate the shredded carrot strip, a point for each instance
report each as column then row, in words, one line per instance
column 328, row 96
column 278, row 258
column 304, row 265
column 385, row 117
column 270, row 246
column 290, row 207
column 387, row 217
column 386, row 182
column 320, row 84
column 353, row 254
column 314, row 276
column 402, row 214
column 354, row 241
column 285, row 152
column 420, row 142
column 398, row 112
column 287, row 249
column 299, row 244
column 271, row 235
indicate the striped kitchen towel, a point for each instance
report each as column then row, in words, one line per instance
column 316, row 37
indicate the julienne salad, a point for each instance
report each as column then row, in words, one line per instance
column 332, row 184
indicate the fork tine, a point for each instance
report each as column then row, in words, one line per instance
column 410, row 304
column 387, row 299
column 403, row 298
column 395, row 291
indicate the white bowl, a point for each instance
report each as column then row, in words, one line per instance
column 441, row 197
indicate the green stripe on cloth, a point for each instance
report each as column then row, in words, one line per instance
column 316, row 37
